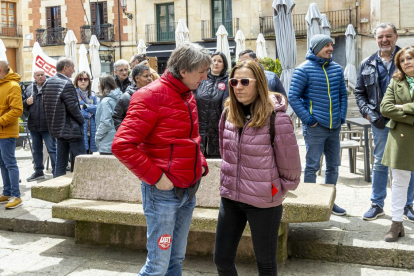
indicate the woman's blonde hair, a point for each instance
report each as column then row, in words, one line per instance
column 261, row 107
column 399, row 73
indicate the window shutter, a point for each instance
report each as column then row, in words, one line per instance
column 93, row 14
column 58, row 17
column 105, row 13
column 49, row 17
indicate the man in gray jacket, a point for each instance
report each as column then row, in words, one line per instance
column 63, row 115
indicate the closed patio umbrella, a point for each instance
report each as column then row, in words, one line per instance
column 326, row 27
column 2, row 51
column 142, row 48
column 350, row 69
column 70, row 47
column 240, row 43
column 223, row 43
column 83, row 60
column 182, row 34
column 95, row 61
column 285, row 39
column 313, row 22
column 261, row 47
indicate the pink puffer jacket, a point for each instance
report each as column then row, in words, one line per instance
column 250, row 165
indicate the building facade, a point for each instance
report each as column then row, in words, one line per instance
column 119, row 30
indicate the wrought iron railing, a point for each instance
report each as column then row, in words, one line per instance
column 338, row 20
column 104, row 32
column 210, row 27
column 51, row 36
column 160, row 32
column 10, row 30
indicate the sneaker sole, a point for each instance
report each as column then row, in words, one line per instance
column 338, row 214
column 9, row 208
column 4, row 202
column 406, row 218
column 34, row 179
column 373, row 218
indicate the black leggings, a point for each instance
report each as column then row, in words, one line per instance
column 264, row 225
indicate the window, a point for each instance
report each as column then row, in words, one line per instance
column 221, row 14
column 99, row 13
column 53, row 17
column 8, row 19
column 165, row 22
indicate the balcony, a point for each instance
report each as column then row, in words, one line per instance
column 210, row 27
column 7, row 30
column 104, row 32
column 160, row 32
column 51, row 36
column 339, row 20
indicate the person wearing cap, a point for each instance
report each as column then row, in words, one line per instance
column 319, row 98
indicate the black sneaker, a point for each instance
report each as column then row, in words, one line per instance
column 35, row 177
column 373, row 213
column 409, row 213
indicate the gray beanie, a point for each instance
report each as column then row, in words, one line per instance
column 318, row 42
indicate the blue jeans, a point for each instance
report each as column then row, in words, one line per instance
column 37, row 145
column 64, row 146
column 168, row 224
column 9, row 169
column 380, row 172
column 320, row 140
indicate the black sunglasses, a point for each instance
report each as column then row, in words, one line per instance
column 244, row 82
column 83, row 79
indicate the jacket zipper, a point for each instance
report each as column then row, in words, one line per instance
column 310, row 107
column 191, row 131
column 329, row 94
column 169, row 162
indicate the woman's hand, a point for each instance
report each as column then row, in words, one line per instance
column 164, row 184
column 399, row 106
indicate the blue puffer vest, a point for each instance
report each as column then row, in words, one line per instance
column 318, row 93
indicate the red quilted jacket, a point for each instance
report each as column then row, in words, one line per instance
column 160, row 134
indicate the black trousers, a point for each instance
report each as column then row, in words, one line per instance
column 264, row 225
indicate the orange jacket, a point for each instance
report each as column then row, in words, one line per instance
column 11, row 105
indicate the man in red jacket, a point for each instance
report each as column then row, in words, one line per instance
column 159, row 142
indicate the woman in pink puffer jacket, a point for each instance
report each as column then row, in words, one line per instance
column 255, row 175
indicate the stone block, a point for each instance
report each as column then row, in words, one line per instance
column 53, row 190
column 309, row 203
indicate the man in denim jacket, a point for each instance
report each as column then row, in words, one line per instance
column 375, row 73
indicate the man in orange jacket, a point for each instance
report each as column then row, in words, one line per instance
column 11, row 108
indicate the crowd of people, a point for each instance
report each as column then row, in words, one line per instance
column 163, row 128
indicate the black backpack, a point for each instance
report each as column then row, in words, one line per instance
column 271, row 125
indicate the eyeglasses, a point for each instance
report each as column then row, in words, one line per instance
column 83, row 79
column 244, row 82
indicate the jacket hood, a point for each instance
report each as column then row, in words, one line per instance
column 173, row 83
column 318, row 60
column 131, row 89
column 115, row 94
column 279, row 101
column 11, row 76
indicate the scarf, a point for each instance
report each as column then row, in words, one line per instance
column 410, row 81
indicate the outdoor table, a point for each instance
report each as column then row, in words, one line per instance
column 362, row 122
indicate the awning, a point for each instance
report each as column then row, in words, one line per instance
column 165, row 50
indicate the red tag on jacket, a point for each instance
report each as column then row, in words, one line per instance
column 274, row 190
column 221, row 86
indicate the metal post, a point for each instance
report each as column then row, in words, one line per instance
column 119, row 30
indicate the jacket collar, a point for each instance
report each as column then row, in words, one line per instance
column 174, row 83
column 318, row 60
column 372, row 60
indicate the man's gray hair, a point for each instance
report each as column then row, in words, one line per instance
column 62, row 62
column 384, row 26
column 120, row 62
column 189, row 57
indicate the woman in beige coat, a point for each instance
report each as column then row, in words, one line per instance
column 398, row 105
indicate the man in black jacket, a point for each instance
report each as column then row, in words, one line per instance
column 63, row 115
column 33, row 104
column 375, row 73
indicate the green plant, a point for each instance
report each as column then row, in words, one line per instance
column 272, row 65
column 21, row 127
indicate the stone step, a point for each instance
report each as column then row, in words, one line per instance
column 351, row 240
